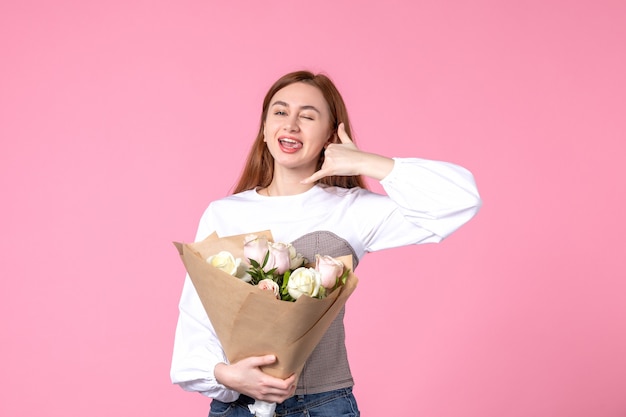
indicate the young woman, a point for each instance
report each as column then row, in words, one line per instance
column 302, row 181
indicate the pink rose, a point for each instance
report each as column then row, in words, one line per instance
column 269, row 285
column 279, row 258
column 330, row 270
column 255, row 247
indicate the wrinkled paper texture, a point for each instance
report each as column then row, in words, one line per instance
column 262, row 409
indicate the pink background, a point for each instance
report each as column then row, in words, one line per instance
column 121, row 120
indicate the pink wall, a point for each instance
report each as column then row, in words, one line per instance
column 121, row 120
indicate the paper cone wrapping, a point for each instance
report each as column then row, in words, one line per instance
column 252, row 322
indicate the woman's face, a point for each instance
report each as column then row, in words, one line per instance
column 297, row 127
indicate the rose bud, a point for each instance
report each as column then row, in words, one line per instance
column 269, row 285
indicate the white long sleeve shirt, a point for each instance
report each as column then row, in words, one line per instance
column 425, row 202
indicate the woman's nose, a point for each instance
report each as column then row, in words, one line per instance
column 291, row 124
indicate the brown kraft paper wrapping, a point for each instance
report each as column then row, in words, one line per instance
column 251, row 322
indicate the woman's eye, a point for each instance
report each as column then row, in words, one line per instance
column 306, row 116
column 280, row 113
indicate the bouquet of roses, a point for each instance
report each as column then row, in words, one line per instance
column 301, row 300
column 277, row 267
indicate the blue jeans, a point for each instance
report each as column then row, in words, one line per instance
column 338, row 403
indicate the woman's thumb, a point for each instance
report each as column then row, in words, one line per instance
column 266, row 360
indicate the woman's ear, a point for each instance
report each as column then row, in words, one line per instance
column 333, row 137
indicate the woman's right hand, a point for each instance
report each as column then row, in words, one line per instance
column 246, row 377
column 345, row 159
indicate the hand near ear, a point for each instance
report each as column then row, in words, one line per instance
column 339, row 158
column 345, row 159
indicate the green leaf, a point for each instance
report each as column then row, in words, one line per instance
column 322, row 293
column 283, row 288
column 344, row 277
column 267, row 257
column 287, row 297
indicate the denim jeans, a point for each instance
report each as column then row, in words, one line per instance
column 338, row 403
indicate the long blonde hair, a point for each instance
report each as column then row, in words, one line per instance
column 259, row 168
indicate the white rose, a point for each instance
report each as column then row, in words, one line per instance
column 296, row 259
column 304, row 281
column 226, row 262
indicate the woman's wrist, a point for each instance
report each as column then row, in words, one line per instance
column 375, row 166
column 220, row 374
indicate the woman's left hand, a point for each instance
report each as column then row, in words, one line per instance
column 345, row 159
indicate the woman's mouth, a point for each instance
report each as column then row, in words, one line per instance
column 289, row 145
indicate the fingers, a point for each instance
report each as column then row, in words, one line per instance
column 258, row 361
column 274, row 389
column 247, row 377
column 342, row 135
column 338, row 158
column 266, row 360
column 316, row 176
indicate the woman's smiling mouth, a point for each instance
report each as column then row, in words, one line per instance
column 289, row 144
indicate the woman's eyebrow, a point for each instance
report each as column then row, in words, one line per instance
column 306, row 107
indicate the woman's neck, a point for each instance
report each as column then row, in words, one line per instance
column 280, row 188
column 287, row 183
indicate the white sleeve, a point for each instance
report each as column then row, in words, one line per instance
column 196, row 347
column 428, row 200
